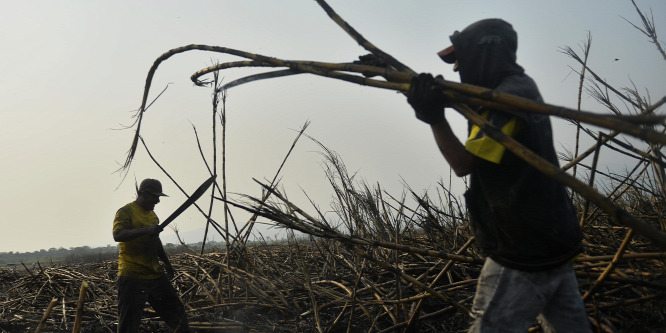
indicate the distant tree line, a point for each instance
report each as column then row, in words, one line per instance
column 56, row 255
column 86, row 254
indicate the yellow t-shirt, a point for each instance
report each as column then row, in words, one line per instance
column 137, row 258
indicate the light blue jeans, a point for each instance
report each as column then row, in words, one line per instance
column 509, row 300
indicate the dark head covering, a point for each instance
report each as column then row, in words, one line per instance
column 486, row 52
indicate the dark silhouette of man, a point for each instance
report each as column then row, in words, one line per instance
column 140, row 277
column 523, row 221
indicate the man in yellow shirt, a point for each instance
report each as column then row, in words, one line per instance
column 140, row 277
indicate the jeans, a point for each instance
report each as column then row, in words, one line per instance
column 133, row 295
column 509, row 300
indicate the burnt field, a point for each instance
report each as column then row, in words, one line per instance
column 376, row 264
column 309, row 285
column 375, row 261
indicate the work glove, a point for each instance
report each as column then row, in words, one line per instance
column 426, row 100
column 370, row 60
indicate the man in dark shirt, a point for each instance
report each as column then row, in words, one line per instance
column 523, row 221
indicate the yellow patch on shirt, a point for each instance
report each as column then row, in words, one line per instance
column 487, row 148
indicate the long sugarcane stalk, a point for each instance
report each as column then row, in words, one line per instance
column 586, row 53
column 397, row 77
column 611, row 266
column 361, row 40
column 470, row 94
column 398, row 80
column 617, row 213
column 593, row 172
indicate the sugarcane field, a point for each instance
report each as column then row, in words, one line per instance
column 387, row 277
column 373, row 258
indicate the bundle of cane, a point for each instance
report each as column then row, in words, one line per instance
column 381, row 70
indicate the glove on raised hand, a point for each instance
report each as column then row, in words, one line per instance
column 371, row 60
column 427, row 101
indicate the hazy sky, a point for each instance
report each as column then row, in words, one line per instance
column 73, row 72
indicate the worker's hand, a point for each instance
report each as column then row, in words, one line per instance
column 370, row 60
column 426, row 100
column 153, row 230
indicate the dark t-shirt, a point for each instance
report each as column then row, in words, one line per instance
column 520, row 217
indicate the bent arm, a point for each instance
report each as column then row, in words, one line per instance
column 460, row 160
column 124, row 235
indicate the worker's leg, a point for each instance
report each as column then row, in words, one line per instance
column 168, row 306
column 565, row 310
column 506, row 300
column 132, row 296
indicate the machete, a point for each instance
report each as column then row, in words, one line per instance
column 196, row 195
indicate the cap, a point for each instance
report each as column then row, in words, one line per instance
column 448, row 55
column 152, row 186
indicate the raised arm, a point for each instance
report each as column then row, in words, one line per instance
column 460, row 160
column 428, row 105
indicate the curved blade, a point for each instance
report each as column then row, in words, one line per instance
column 196, row 195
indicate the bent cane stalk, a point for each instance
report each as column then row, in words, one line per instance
column 362, row 41
column 398, row 80
column 611, row 266
column 617, row 213
column 320, row 230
